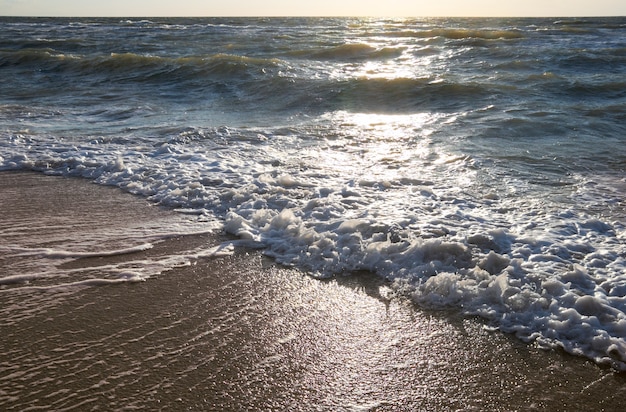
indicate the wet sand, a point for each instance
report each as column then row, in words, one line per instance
column 242, row 333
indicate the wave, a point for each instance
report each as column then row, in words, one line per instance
column 361, row 94
column 30, row 56
column 459, row 34
column 134, row 65
column 350, row 52
column 253, row 79
column 612, row 90
column 406, row 94
column 21, row 112
column 63, row 254
column 137, row 22
column 126, row 271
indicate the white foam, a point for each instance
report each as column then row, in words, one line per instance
column 52, row 253
column 531, row 263
column 126, row 271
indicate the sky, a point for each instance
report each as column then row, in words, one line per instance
column 387, row 8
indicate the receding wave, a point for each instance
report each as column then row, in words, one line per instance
column 51, row 253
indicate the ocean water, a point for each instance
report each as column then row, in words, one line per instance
column 475, row 164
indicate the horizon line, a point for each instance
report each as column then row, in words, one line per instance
column 321, row 16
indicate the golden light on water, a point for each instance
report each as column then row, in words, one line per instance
column 383, row 127
column 389, row 159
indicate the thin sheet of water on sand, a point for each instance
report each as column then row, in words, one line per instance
column 241, row 333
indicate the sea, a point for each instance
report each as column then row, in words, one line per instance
column 474, row 165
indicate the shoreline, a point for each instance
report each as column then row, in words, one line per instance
column 240, row 332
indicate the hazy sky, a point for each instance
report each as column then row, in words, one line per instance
column 414, row 8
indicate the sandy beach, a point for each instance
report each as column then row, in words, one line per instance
column 239, row 332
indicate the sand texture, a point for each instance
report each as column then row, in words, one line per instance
column 239, row 332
